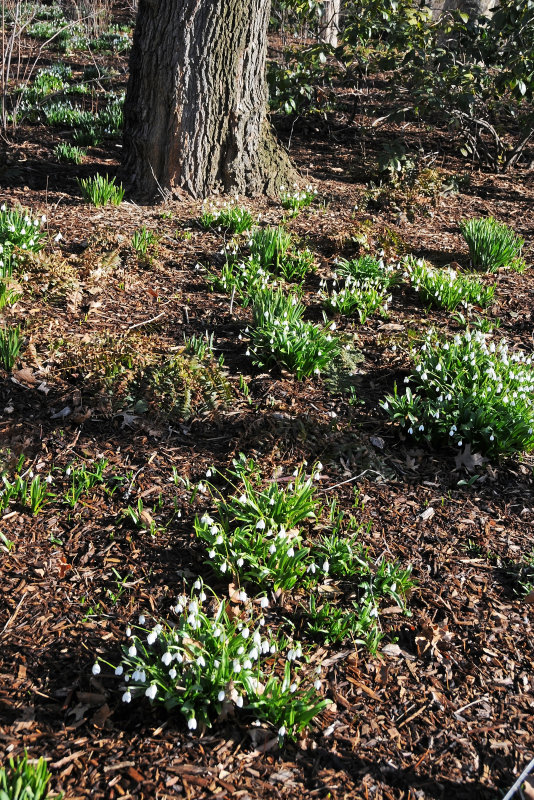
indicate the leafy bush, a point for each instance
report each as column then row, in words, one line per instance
column 367, row 268
column 144, row 240
column 244, row 278
column 446, row 288
column 101, row 191
column 492, row 245
column 281, row 337
column 468, row 391
column 209, row 662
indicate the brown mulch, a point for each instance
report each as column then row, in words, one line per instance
column 446, row 709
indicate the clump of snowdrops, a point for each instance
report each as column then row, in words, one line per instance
column 468, row 390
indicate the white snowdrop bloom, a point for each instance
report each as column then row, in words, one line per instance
column 192, row 724
column 96, row 669
column 245, row 633
column 272, row 549
column 265, row 647
column 151, row 638
column 119, row 670
column 317, row 684
column 132, row 652
column 201, row 661
column 128, row 632
column 243, row 499
column 202, row 596
column 221, row 696
column 236, row 666
column 206, row 520
column 152, row 691
column 421, row 427
column 223, row 567
column 260, row 525
column 243, row 596
column 197, row 584
column 239, row 701
column 290, row 655
column 272, row 649
column 460, row 443
column 142, row 619
column 43, row 219
column 240, row 561
column 179, row 658
column 264, row 602
column 219, row 539
column 172, row 673
column 253, row 655
column 282, row 731
column 410, row 430
column 293, row 688
column 247, row 664
column 326, row 567
column 127, row 696
column 166, row 658
column 191, row 620
column 217, row 631
column 208, row 473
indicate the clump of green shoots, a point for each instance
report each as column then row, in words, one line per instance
column 280, row 337
column 207, row 663
column 229, row 218
column 275, row 251
column 101, row 191
column 21, row 779
column 11, row 341
column 468, row 391
column 296, row 199
column 69, row 153
column 447, row 288
column 492, row 245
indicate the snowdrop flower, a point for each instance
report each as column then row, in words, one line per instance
column 293, row 688
column 152, row 691
column 326, row 567
column 317, row 684
column 166, row 658
column 282, row 731
column 240, row 561
column 58, row 237
column 264, row 602
column 96, row 669
column 291, row 552
column 151, row 638
column 201, row 661
column 245, row 633
column 128, row 632
column 127, row 696
column 240, row 650
column 260, row 525
column 239, row 701
column 192, row 724
column 211, row 554
column 142, row 619
column 132, row 652
column 208, row 473
column 221, row 696
column 223, row 567
column 197, row 584
column 247, row 664
column 236, row 666
column 119, row 670
column 172, row 673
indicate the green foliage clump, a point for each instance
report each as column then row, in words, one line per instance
column 280, row 337
column 101, row 190
column 492, row 244
column 21, row 779
column 229, row 218
column 209, row 662
column 69, row 154
column 468, row 391
column 447, row 288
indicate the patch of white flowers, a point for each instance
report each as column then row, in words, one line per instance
column 469, row 390
column 207, row 663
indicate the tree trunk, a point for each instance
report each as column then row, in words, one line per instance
column 330, row 22
column 195, row 115
column 472, row 7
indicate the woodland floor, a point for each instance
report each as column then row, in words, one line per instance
column 448, row 710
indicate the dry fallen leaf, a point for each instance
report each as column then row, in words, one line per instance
column 469, row 460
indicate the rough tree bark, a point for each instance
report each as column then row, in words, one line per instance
column 330, row 19
column 195, row 115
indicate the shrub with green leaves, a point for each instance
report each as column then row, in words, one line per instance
column 229, row 218
column 69, row 153
column 353, row 296
column 470, row 390
column 492, row 244
column 21, row 779
column 19, row 229
column 208, row 663
column 101, row 191
column 335, row 624
column 280, row 337
column 447, row 288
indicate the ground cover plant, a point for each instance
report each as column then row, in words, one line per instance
column 396, row 604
